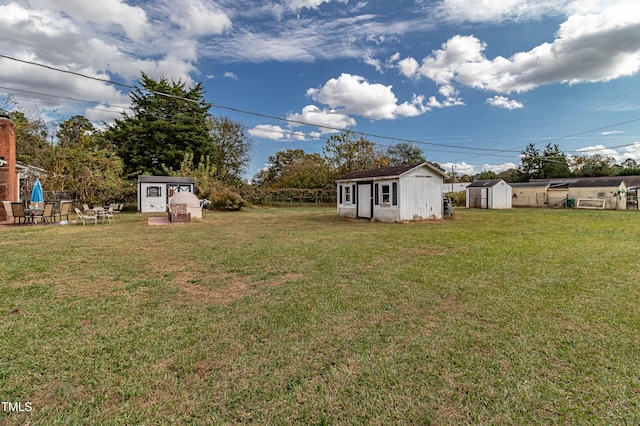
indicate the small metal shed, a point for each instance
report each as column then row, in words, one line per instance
column 154, row 191
column 489, row 194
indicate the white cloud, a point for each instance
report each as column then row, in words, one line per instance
column 496, row 10
column 231, row 75
column 268, row 131
column 498, row 168
column 376, row 63
column 352, row 94
column 462, row 168
column 503, row 102
column 105, row 13
column 618, row 154
column 614, row 132
column 589, row 47
column 632, row 151
column 198, row 18
column 296, row 5
column 414, row 108
column 408, row 67
column 95, row 39
column 327, row 121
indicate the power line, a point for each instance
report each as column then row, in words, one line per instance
column 488, row 151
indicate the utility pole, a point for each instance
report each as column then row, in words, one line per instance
column 453, row 177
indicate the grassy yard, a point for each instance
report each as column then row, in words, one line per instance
column 296, row 316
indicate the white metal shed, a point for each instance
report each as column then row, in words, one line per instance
column 489, row 194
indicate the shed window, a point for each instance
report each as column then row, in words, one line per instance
column 386, row 194
column 154, row 191
column 347, row 194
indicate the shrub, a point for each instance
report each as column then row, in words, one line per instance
column 224, row 198
column 458, row 198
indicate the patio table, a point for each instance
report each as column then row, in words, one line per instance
column 35, row 214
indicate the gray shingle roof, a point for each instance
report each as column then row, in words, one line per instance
column 380, row 172
column 484, row 183
column 164, row 179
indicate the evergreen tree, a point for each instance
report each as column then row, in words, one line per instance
column 168, row 120
column 554, row 163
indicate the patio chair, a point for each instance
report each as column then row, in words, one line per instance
column 85, row 207
column 108, row 214
column 117, row 209
column 65, row 209
column 18, row 212
column 87, row 216
column 47, row 214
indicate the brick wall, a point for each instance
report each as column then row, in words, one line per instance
column 8, row 174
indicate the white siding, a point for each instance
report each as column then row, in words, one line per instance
column 386, row 211
column 500, row 196
column 420, row 195
column 153, row 204
column 346, row 208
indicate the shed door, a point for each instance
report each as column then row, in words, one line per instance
column 365, row 200
column 478, row 198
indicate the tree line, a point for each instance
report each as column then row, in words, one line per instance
column 169, row 131
column 549, row 162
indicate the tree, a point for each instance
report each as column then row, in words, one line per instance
column 405, row 153
column 594, row 166
column 509, row 175
column 294, row 168
column 73, row 131
column 530, row 164
column 168, row 120
column 231, row 149
column 487, row 175
column 550, row 163
column 554, row 163
column 78, row 163
column 32, row 146
column 203, row 174
column 629, row 167
column 347, row 152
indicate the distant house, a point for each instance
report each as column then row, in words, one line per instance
column 154, row 191
column 529, row 194
column 606, row 192
column 489, row 194
column 392, row 194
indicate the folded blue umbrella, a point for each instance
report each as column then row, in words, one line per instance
column 36, row 192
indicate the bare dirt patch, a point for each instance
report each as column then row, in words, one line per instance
column 233, row 288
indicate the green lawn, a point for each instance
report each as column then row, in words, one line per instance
column 296, row 316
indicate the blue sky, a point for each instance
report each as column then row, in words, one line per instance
column 472, row 82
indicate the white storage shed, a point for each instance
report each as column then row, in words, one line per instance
column 154, row 191
column 392, row 194
column 489, row 194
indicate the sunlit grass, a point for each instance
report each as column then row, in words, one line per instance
column 296, row 316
